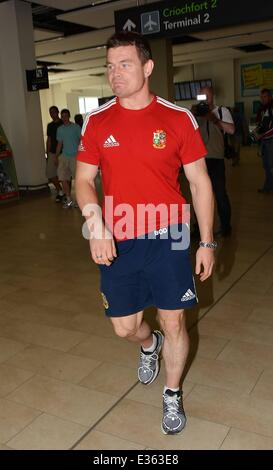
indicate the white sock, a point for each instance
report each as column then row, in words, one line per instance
column 61, row 193
column 151, row 348
column 169, row 388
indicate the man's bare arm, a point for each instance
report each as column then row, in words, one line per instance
column 58, row 149
column 48, row 144
column 102, row 245
column 227, row 127
column 203, row 203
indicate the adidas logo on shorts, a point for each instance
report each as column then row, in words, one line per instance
column 189, row 295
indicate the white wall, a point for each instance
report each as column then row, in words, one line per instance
column 20, row 112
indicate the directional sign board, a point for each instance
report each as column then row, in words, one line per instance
column 37, row 79
column 176, row 18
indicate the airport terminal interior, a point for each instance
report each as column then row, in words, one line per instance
column 66, row 380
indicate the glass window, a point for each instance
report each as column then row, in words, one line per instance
column 88, row 103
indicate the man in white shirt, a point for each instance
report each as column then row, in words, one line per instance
column 213, row 126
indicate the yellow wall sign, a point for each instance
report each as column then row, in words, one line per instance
column 255, row 77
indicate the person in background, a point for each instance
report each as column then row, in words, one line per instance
column 213, row 124
column 78, row 120
column 51, row 145
column 68, row 137
column 239, row 136
column 264, row 134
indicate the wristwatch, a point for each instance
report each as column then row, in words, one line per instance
column 213, row 245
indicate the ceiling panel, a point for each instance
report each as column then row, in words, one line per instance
column 234, row 30
column 269, row 43
column 227, row 53
column 43, row 34
column 82, row 65
column 64, row 4
column 99, row 16
column 75, row 74
column 72, row 43
column 231, row 41
column 76, row 56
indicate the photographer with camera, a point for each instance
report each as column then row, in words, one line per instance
column 264, row 133
column 214, row 121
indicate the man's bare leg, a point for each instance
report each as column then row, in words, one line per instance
column 175, row 353
column 176, row 344
column 133, row 328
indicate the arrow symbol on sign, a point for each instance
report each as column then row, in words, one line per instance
column 129, row 25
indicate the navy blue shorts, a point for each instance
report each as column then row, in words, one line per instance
column 151, row 271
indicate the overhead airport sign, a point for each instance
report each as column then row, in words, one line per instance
column 175, row 18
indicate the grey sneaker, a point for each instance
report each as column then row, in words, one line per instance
column 149, row 365
column 174, row 418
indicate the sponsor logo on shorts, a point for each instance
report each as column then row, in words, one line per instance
column 159, row 139
column 189, row 295
column 160, row 231
column 104, row 301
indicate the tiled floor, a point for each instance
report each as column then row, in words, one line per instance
column 67, row 382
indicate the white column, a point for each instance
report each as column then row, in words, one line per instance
column 20, row 113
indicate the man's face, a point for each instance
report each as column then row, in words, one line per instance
column 125, row 71
column 65, row 118
column 209, row 93
column 265, row 99
column 54, row 114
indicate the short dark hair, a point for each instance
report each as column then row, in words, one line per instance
column 266, row 90
column 78, row 118
column 65, row 111
column 125, row 38
column 55, row 108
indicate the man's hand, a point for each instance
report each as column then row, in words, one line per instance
column 103, row 249
column 56, row 160
column 204, row 258
column 210, row 116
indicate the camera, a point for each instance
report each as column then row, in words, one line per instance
column 254, row 136
column 202, row 107
column 257, row 133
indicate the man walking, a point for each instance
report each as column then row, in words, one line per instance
column 140, row 141
column 213, row 125
column 68, row 137
column 265, row 136
column 51, row 145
